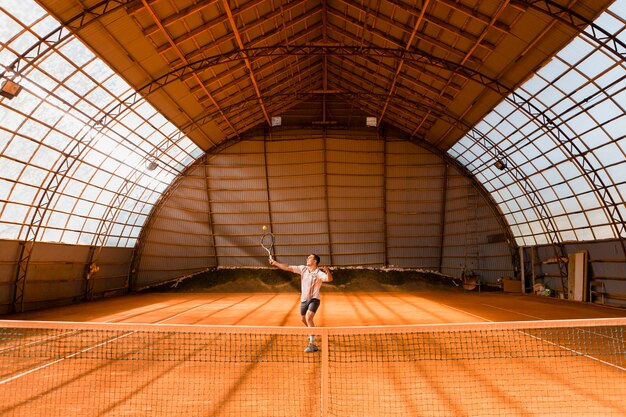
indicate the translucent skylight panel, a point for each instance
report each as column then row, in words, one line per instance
column 57, row 67
column 143, row 129
column 44, row 25
column 574, row 51
column 588, row 201
column 555, row 208
column 80, row 84
column 579, row 221
column 115, row 86
column 615, row 128
column 85, row 238
column 91, row 110
column 570, row 203
column 554, row 178
column 5, row 189
column 131, row 120
column 604, row 111
column 57, row 219
column 487, row 174
column 549, row 96
column 77, row 53
column 505, row 194
column 546, row 75
column 51, row 234
column 94, row 158
column 101, row 96
column 100, row 179
column 10, row 169
column 538, row 163
column 135, row 232
column 33, row 130
column 581, row 123
column 22, row 193
column 14, row 213
column 619, row 98
column 20, row 45
column 618, row 174
column 603, row 232
column 610, row 23
column 611, row 80
column 90, row 193
column 583, row 97
column 587, row 120
column 610, row 154
column 66, row 203
column 83, row 208
column 21, row 150
column 568, row 236
column 618, row 8
column 537, row 228
column 9, row 26
column 33, row 175
column 555, row 154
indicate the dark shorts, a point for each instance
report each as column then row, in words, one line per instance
column 311, row 305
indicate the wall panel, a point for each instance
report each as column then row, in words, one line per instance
column 356, row 198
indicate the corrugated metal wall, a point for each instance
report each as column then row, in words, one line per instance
column 180, row 236
column 57, row 274
column 356, row 198
column 415, row 190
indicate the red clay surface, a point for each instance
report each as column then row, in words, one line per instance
column 442, row 375
column 337, row 309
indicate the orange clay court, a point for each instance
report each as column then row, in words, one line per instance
column 242, row 355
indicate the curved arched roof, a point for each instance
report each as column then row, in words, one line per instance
column 123, row 86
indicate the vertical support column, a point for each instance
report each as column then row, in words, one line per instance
column 210, row 213
column 443, row 208
column 268, row 196
column 522, row 267
column 329, row 229
column 324, row 393
column 25, row 252
column 533, row 260
column 384, row 193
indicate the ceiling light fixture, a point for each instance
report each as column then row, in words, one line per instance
column 500, row 164
column 10, row 89
column 152, row 165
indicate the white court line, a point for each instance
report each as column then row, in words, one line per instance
column 62, row 359
column 4, row 381
column 575, row 351
column 37, row 342
column 543, row 340
column 465, row 312
column 515, row 312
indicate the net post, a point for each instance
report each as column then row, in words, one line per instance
column 324, row 370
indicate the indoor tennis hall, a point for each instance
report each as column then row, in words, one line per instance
column 312, row 208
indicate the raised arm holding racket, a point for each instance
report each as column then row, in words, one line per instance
column 312, row 278
column 267, row 241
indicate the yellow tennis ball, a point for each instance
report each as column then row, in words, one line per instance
column 264, row 227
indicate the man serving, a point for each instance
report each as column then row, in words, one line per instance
column 312, row 278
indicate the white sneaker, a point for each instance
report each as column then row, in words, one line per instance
column 311, row 348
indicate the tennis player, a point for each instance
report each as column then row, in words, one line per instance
column 312, row 278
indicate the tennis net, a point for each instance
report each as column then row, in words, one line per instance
column 555, row 368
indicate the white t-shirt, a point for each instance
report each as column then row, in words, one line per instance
column 311, row 281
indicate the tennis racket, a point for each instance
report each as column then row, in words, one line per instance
column 267, row 241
